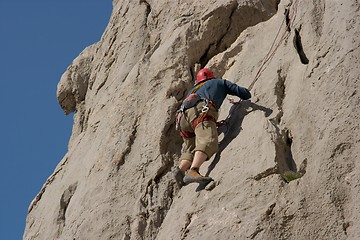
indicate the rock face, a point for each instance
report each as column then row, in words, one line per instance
column 288, row 163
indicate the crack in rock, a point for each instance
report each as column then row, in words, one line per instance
column 64, row 203
column 152, row 209
column 185, row 230
column 129, row 143
column 226, row 23
column 299, row 47
column 266, row 173
column 256, row 232
column 282, row 139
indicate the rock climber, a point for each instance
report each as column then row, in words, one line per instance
column 196, row 120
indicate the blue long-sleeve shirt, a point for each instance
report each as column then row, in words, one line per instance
column 217, row 89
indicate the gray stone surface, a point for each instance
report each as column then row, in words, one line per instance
column 288, row 164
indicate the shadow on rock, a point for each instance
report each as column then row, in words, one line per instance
column 231, row 126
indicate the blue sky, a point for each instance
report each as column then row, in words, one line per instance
column 38, row 41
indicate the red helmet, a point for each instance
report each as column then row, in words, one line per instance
column 204, row 74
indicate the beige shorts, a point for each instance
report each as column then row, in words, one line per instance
column 206, row 137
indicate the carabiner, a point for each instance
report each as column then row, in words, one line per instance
column 205, row 109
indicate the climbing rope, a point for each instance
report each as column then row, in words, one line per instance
column 289, row 19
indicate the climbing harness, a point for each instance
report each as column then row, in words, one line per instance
column 203, row 116
column 289, row 19
column 192, row 101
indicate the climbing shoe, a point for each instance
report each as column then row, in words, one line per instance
column 179, row 175
column 193, row 176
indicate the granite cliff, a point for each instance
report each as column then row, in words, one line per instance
column 288, row 164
